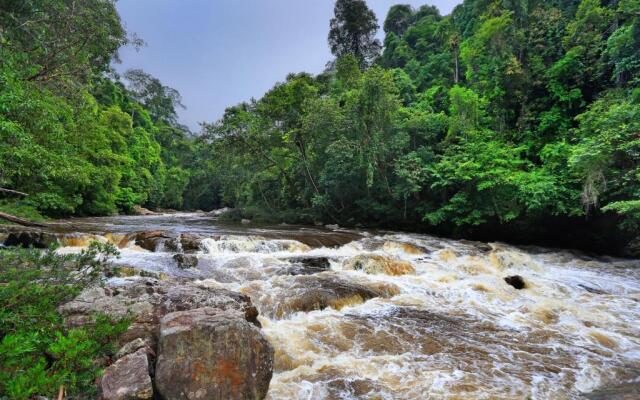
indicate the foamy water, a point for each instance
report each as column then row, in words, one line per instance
column 402, row 316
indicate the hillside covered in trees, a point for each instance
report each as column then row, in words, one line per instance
column 77, row 137
column 513, row 120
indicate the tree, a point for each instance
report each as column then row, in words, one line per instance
column 161, row 101
column 353, row 30
column 398, row 19
column 62, row 40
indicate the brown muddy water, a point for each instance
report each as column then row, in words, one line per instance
column 408, row 316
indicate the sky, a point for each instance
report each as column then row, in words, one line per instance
column 218, row 53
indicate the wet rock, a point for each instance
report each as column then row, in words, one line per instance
column 376, row 264
column 308, row 265
column 287, row 295
column 480, row 247
column 404, row 247
column 147, row 300
column 332, row 226
column 625, row 391
column 245, row 221
column 128, row 378
column 208, row 353
column 516, row 281
column 36, row 239
column 190, row 242
column 138, row 210
column 186, row 261
column 151, row 240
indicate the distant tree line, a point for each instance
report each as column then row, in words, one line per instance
column 502, row 118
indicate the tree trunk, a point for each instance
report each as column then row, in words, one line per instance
column 14, row 192
column 21, row 221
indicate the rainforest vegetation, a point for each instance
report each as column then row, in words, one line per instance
column 506, row 118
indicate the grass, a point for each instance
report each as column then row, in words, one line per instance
column 20, row 209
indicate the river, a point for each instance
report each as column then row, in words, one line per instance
column 441, row 323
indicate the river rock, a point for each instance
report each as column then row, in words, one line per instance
column 307, row 265
column 138, row 210
column 245, row 221
column 516, row 281
column 128, row 378
column 150, row 240
column 624, row 391
column 208, row 353
column 186, row 261
column 286, row 295
column 408, row 248
column 190, row 242
column 29, row 238
column 147, row 300
column 376, row 264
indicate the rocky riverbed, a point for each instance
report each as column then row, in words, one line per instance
column 244, row 312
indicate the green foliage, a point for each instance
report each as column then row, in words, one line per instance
column 501, row 114
column 38, row 353
column 353, row 30
column 71, row 134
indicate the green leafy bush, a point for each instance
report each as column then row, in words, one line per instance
column 38, row 354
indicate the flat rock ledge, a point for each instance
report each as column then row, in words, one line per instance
column 185, row 341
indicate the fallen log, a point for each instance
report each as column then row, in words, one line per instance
column 14, row 192
column 21, row 221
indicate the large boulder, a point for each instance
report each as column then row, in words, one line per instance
column 285, row 295
column 209, row 353
column 147, row 300
column 128, row 378
column 377, row 264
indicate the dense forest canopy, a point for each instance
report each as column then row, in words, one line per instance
column 504, row 118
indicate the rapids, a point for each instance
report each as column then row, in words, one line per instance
column 385, row 315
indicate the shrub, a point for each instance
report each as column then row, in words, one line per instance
column 38, row 354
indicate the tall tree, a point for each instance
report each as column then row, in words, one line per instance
column 62, row 40
column 161, row 101
column 398, row 19
column 353, row 30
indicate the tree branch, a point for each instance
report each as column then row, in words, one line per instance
column 15, row 192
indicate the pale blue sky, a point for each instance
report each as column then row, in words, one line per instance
column 218, row 53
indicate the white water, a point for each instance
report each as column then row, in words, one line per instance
column 452, row 330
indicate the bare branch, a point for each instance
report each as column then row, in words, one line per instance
column 10, row 191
